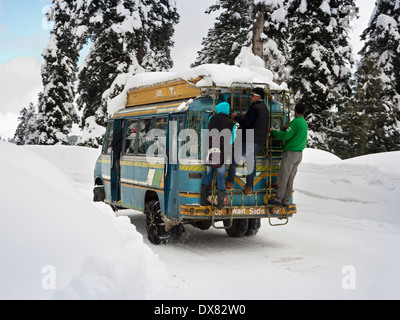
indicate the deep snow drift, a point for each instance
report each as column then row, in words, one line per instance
column 52, row 237
column 56, row 243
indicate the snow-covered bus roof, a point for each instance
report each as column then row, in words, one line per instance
column 218, row 75
column 210, row 75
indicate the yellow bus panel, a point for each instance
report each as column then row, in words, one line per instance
column 163, row 92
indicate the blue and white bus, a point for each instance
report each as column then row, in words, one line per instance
column 166, row 185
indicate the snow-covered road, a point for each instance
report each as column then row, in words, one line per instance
column 311, row 258
column 328, row 251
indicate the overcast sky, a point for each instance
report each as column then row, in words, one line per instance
column 24, row 33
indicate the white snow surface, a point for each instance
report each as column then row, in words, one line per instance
column 57, row 244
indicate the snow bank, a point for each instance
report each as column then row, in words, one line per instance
column 320, row 157
column 386, row 162
column 248, row 69
column 57, row 243
column 364, row 188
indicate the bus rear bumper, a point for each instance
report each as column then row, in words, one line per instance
column 259, row 212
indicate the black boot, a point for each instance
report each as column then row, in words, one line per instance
column 203, row 196
column 221, row 199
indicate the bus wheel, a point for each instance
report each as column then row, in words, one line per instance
column 155, row 226
column 239, row 227
column 99, row 194
column 254, row 226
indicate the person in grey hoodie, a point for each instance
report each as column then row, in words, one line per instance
column 220, row 121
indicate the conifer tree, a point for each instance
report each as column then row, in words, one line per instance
column 56, row 110
column 95, row 77
column 273, row 40
column 260, row 24
column 366, row 123
column 342, row 14
column 19, row 135
column 25, row 133
column 106, row 59
column 320, row 58
column 122, row 32
column 159, row 19
column 383, row 46
column 126, row 34
column 226, row 38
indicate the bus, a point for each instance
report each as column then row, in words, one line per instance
column 165, row 184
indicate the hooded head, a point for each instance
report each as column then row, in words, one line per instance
column 223, row 107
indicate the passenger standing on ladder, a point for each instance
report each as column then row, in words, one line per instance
column 215, row 158
column 257, row 119
column 295, row 136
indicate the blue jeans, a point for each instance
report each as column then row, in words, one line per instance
column 250, row 164
column 220, row 177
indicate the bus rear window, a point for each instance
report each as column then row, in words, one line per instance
column 240, row 100
column 277, row 123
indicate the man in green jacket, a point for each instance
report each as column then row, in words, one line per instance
column 296, row 141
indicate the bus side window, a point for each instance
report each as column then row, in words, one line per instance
column 130, row 137
column 161, row 124
column 107, row 143
column 145, row 125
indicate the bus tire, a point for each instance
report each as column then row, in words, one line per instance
column 155, row 226
column 254, row 226
column 99, row 194
column 239, row 227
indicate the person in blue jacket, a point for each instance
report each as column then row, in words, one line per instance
column 220, row 121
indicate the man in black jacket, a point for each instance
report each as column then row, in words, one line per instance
column 256, row 119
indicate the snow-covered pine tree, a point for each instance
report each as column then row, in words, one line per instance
column 366, row 123
column 125, row 34
column 226, row 38
column 107, row 58
column 159, row 18
column 343, row 12
column 56, row 110
column 25, row 133
column 273, row 40
column 96, row 76
column 320, row 58
column 19, row 135
column 383, row 47
column 260, row 24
